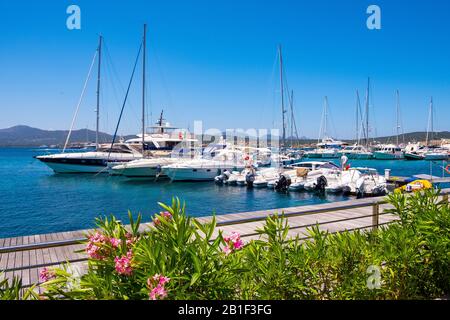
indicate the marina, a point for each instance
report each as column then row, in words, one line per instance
column 157, row 151
column 66, row 202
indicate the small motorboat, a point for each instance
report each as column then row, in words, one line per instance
column 414, row 186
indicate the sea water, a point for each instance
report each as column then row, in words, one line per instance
column 34, row 200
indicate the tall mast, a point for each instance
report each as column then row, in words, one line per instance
column 432, row 118
column 143, row 88
column 282, row 96
column 430, row 121
column 325, row 130
column 98, row 90
column 367, row 111
column 398, row 114
column 292, row 118
column 357, row 117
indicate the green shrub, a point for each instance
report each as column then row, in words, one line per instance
column 180, row 258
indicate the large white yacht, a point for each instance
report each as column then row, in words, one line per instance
column 91, row 161
column 356, row 152
column 328, row 148
column 206, row 169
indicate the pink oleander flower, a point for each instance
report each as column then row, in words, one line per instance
column 156, row 286
column 166, row 215
column 158, row 292
column 129, row 239
column 233, row 243
column 227, row 250
column 123, row 264
column 46, row 275
column 95, row 244
column 115, row 243
column 238, row 244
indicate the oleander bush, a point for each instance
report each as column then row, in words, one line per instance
column 179, row 257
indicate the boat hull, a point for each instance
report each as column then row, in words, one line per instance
column 436, row 156
column 76, row 168
column 197, row 174
column 387, row 156
column 413, row 156
column 359, row 156
column 143, row 172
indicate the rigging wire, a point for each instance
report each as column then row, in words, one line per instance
column 80, row 100
column 125, row 99
column 113, row 71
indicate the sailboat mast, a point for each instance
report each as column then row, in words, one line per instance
column 430, row 121
column 398, row 115
column 143, row 87
column 357, row 118
column 292, row 118
column 282, row 96
column 367, row 111
column 98, row 90
column 325, row 130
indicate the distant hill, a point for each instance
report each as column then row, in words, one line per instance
column 26, row 136
column 412, row 137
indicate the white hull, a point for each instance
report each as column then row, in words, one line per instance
column 193, row 174
column 75, row 168
column 387, row 156
column 436, row 156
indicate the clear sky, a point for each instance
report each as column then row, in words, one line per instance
column 215, row 61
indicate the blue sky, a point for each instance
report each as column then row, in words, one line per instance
column 214, row 61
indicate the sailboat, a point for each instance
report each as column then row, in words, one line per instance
column 162, row 148
column 357, row 151
column 282, row 157
column 391, row 151
column 328, row 147
column 158, row 145
column 91, row 161
column 427, row 152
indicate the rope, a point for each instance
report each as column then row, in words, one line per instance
column 125, row 100
column 79, row 101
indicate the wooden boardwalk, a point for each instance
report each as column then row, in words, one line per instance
column 331, row 217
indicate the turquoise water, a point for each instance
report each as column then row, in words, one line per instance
column 33, row 200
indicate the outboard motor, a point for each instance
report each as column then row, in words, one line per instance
column 220, row 179
column 158, row 171
column 321, row 184
column 283, row 183
column 250, row 178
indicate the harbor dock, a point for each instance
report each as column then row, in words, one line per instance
column 25, row 256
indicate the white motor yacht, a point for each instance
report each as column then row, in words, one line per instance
column 366, row 182
column 90, row 161
column 388, row 152
column 356, row 152
column 206, row 169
